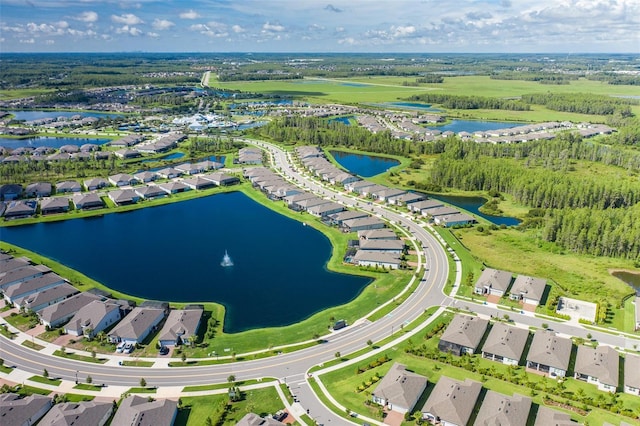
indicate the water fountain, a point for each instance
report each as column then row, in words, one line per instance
column 226, row 260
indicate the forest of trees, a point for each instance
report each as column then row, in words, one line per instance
column 582, row 103
column 470, row 102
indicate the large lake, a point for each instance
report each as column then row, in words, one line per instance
column 173, row 253
column 364, row 165
column 52, row 142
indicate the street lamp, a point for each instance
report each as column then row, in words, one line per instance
column 76, row 377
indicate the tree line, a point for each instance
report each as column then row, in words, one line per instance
column 583, row 103
column 471, row 102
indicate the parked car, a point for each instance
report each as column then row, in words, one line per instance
column 128, row 348
column 164, row 350
column 120, row 347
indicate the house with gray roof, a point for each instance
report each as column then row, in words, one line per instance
column 123, row 197
column 343, row 178
column 455, row 219
column 451, row 402
column 422, row 206
column 363, row 224
column 209, row 165
column 136, row 326
column 42, row 299
column 169, row 173
column 10, row 191
column 326, row 209
column 59, row 313
column 68, row 186
column 549, row 354
column 146, row 176
column 150, row 191
column 405, row 199
column 198, row 182
column 18, row 275
column 252, row 419
column 377, row 259
column 139, row 411
column 463, row 335
column 189, row 169
column 19, row 209
column 505, row 344
column 222, row 179
column 95, row 183
column 93, row 318
column 599, row 366
column 181, row 324
column 399, row 390
column 174, row 187
column 38, row 189
column 9, row 263
column 549, row 417
column 358, row 186
column 249, row 156
column 293, row 199
column 385, row 194
column 88, row 201
column 17, row 411
column 338, row 218
column 632, row 374
column 310, row 202
column 503, row 410
column 440, row 211
column 383, row 246
column 373, row 190
column 493, row 282
column 529, row 290
column 122, row 179
column 378, row 234
column 85, row 413
column 54, row 205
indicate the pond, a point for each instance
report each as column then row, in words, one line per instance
column 631, row 278
column 38, row 115
column 471, row 126
column 364, row 165
column 49, row 141
column 174, row 253
column 343, row 120
column 172, row 156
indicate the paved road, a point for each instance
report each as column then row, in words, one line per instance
column 292, row 368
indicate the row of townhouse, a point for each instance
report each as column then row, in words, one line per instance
column 17, row 209
column 312, row 158
column 528, row 290
column 548, row 353
column 57, row 303
column 28, row 410
column 453, row 402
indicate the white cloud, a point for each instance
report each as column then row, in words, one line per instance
column 28, row 41
column 56, row 28
column 49, row 42
column 272, row 27
column 126, row 29
column 126, row 19
column 190, row 14
column 403, row 31
column 153, row 35
column 237, row 29
column 162, row 24
column 88, row 16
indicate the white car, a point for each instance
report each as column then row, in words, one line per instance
column 128, row 348
column 120, row 347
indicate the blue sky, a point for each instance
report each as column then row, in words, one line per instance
column 567, row 26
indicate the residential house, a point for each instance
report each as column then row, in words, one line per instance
column 127, row 153
column 376, row 259
column 505, row 344
column 174, row 187
column 189, row 169
column 363, row 224
column 451, row 402
column 632, row 374
column 181, row 325
column 399, row 390
column 373, row 190
column 439, row 211
column 503, row 410
column 10, row 191
column 529, row 290
column 493, row 282
column 383, row 246
column 252, row 419
column 343, row 179
column 87, row 201
column 9, row 263
column 338, row 218
column 209, row 165
column 23, row 411
column 421, row 206
column 95, row 183
column 43, row 298
column 93, row 318
column 222, row 179
column 385, row 194
column 146, row 176
column 455, row 219
column 326, row 209
column 198, row 182
column 122, row 179
column 463, row 335
column 123, row 197
column 38, row 190
column 61, row 312
column 358, row 186
column 18, row 275
column 599, row 366
column 549, row 354
column 310, row 202
column 169, row 173
column 54, row 205
column 68, row 186
column 249, row 156
column 19, row 209
column 291, row 200
column 377, row 234
column 150, row 192
column 550, row 417
column 136, row 326
column 84, row 413
column 140, row 411
column 406, row 198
